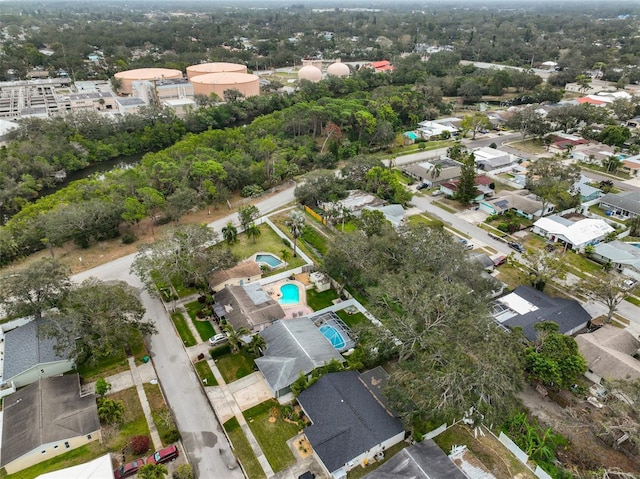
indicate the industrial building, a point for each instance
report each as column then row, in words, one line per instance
column 128, row 77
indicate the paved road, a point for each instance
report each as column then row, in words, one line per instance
column 479, row 236
column 202, row 435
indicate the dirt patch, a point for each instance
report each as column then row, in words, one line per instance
column 584, row 451
column 303, row 448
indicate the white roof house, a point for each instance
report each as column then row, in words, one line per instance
column 575, row 235
column 100, row 468
column 489, row 159
column 430, row 129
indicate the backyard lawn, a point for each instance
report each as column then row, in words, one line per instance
column 318, row 301
column 235, row 366
column 205, row 373
column 183, row 329
column 242, row 450
column 359, row 472
column 272, row 433
column 269, row 242
column 352, row 320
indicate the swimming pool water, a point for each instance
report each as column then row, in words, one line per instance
column 269, row 259
column 333, row 335
column 290, row 294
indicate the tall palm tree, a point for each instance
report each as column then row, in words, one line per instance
column 296, row 226
column 285, row 255
column 435, row 171
column 230, row 233
column 234, row 335
column 253, row 232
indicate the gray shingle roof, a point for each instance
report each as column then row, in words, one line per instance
column 293, row 346
column 423, row 460
column 45, row 412
column 347, row 419
column 567, row 313
column 26, row 347
column 248, row 306
column 627, row 200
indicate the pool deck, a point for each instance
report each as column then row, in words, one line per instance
column 296, row 310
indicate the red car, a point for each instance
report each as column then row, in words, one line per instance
column 128, row 469
column 163, row 455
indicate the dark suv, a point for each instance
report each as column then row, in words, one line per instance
column 516, row 246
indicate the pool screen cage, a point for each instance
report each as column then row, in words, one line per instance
column 330, row 318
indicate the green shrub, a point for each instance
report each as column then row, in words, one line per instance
column 129, row 237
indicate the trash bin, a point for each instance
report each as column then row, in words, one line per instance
column 145, row 359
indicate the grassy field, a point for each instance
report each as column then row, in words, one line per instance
column 272, row 435
column 183, row 329
column 318, row 301
column 243, row 450
column 351, row 320
column 235, row 366
column 205, row 373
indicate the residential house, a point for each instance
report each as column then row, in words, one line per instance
column 523, row 202
column 482, row 183
column 434, row 129
column 100, row 468
column 488, row 159
column 624, row 257
column 624, row 205
column 394, row 213
column 294, row 347
column 610, row 354
column 482, row 259
column 592, row 153
column 349, row 425
column 244, row 272
column 436, row 170
column 381, row 66
column 631, row 165
column 563, row 142
column 585, row 190
column 573, row 234
column 30, row 355
column 46, row 419
column 422, row 460
column 247, row 306
column 526, row 306
column 355, row 201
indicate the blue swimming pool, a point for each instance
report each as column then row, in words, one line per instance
column 290, row 294
column 269, row 259
column 333, row 335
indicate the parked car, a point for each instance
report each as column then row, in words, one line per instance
column 499, row 260
column 516, row 246
column 161, row 456
column 437, row 193
column 466, row 244
column 422, row 185
column 629, row 283
column 128, row 469
column 217, row 339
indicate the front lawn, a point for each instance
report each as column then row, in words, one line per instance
column 318, row 301
column 116, row 363
column 272, row 432
column 242, row 450
column 183, row 329
column 205, row 373
column 235, row 366
column 422, row 219
column 203, row 326
column 162, row 418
